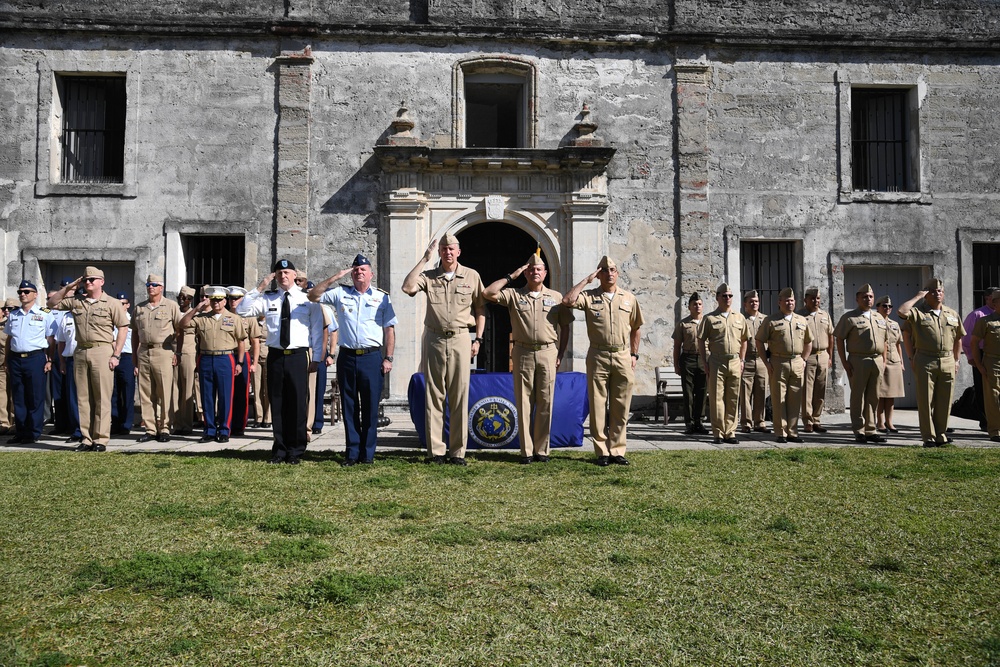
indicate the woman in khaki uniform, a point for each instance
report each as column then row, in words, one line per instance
column 891, row 383
column 987, row 360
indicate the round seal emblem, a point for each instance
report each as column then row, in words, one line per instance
column 493, row 422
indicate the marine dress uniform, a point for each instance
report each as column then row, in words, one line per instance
column 726, row 334
column 221, row 339
column 693, row 378
column 154, row 327
column 611, row 319
column 753, row 381
column 986, row 330
column 865, row 335
column 817, row 369
column 536, row 319
column 27, row 362
column 787, row 338
column 243, row 380
column 362, row 318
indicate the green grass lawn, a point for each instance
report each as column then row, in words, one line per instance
column 818, row 557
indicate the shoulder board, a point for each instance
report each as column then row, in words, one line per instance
column 381, row 290
column 45, row 310
column 345, row 286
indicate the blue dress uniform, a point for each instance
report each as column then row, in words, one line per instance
column 362, row 317
column 65, row 333
column 60, row 402
column 219, row 337
column 123, row 398
column 26, row 358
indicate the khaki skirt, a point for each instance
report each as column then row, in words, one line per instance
column 891, row 383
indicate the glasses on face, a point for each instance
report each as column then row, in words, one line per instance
column 726, row 296
column 25, row 291
column 217, row 298
column 154, row 284
column 90, row 279
column 886, row 305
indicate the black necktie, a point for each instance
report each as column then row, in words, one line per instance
column 285, row 336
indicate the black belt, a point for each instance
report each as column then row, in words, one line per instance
column 291, row 350
column 24, row 355
column 361, row 350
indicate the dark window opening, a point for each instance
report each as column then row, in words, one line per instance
column 419, row 11
column 494, row 113
column 93, row 129
column 880, row 140
column 985, row 269
column 768, row 267
column 214, row 260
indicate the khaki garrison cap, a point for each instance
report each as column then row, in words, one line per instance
column 153, row 278
column 12, row 303
column 865, row 289
column 186, row 291
column 93, row 272
column 448, row 239
column 933, row 284
column 752, row 294
column 722, row 289
column 786, row 293
column 535, row 260
column 607, row 263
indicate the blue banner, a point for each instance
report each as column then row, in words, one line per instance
column 493, row 412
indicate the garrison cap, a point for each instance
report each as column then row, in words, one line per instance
column 300, row 274
column 153, row 278
column 786, row 293
column 93, row 272
column 750, row 294
column 865, row 289
column 11, row 303
column 607, row 263
column 122, row 295
column 310, row 284
column 722, row 289
column 215, row 293
column 361, row 260
column 535, row 260
column 65, row 281
column 933, row 284
column 884, row 300
column 236, row 291
column 186, row 291
column 812, row 290
column 283, row 265
column 448, row 239
column 27, row 284
column 694, row 297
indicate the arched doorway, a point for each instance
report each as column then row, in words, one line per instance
column 495, row 249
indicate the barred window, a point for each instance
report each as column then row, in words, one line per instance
column 882, row 140
column 92, row 135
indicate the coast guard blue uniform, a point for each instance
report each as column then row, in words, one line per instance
column 26, row 358
column 362, row 318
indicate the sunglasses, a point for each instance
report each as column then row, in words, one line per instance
column 726, row 296
column 154, row 284
column 25, row 291
column 217, row 298
column 90, row 279
column 886, row 305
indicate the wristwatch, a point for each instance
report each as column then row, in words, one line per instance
column 635, row 355
column 329, row 356
column 389, row 359
column 477, row 339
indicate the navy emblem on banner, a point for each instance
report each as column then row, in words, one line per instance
column 493, row 422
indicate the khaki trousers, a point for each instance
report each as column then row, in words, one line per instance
column 991, row 395
column 814, row 388
column 184, row 397
column 446, row 363
column 935, row 380
column 156, row 389
column 262, row 406
column 95, row 383
column 6, row 401
column 723, row 395
column 753, row 390
column 311, row 410
column 786, row 394
column 610, row 379
column 534, row 386
column 864, row 392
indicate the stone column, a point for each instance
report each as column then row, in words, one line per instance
column 695, row 258
column 291, row 215
column 585, row 244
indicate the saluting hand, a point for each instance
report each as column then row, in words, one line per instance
column 430, row 250
column 204, row 305
column 265, row 282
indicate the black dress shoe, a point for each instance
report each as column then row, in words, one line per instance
column 222, row 438
column 541, row 458
column 762, row 429
column 145, row 437
column 456, row 461
column 892, row 429
column 275, row 460
column 347, row 463
column 875, row 438
column 995, row 438
column 930, row 443
column 525, row 460
column 366, row 462
column 100, row 448
column 620, row 461
column 717, row 441
column 702, row 430
column 265, row 425
column 860, row 438
column 603, row 461
column 731, row 441
column 796, row 439
column 294, row 461
column 85, row 447
column 437, row 460
column 74, row 438
column 163, row 437
column 16, row 440
column 780, row 440
column 206, row 438
column 252, row 425
column 317, row 431
column 820, row 429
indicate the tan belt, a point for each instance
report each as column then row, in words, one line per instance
column 532, row 346
column 446, row 334
column 610, row 348
column 866, row 355
column 217, row 353
column 87, row 346
column 935, row 353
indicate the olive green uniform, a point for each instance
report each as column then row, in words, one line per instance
column 535, row 322
column 865, row 338
column 753, row 383
column 817, row 367
column 725, row 336
column 933, row 337
column 987, row 329
column 95, row 321
column 786, row 340
column 447, row 354
column 610, row 377
column 154, row 326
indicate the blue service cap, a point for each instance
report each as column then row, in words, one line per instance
column 361, row 260
column 310, row 284
column 283, row 265
column 122, row 295
column 65, row 281
column 27, row 284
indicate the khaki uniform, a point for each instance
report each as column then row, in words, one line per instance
column 6, row 400
column 155, row 327
column 786, row 341
column 865, row 339
column 186, row 394
column 447, row 354
column 535, row 322
column 725, row 336
column 610, row 377
column 817, row 367
column 311, row 409
column 95, row 320
column 753, row 383
column 262, row 403
column 987, row 329
column 933, row 337
column 219, row 335
column 693, row 379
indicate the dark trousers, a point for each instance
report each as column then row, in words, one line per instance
column 287, row 386
column 241, row 397
column 977, row 384
column 318, row 417
column 215, row 374
column 60, row 402
column 68, row 387
column 360, row 380
column 693, row 382
column 123, row 402
column 27, row 387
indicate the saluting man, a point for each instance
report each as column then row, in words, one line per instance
column 28, row 330
column 367, row 341
column 613, row 322
column 540, row 325
column 818, row 362
column 754, row 379
column 221, row 340
column 789, row 340
column 932, row 334
column 723, row 337
column 294, row 326
column 154, row 342
column 863, row 334
column 98, row 352
column 454, row 304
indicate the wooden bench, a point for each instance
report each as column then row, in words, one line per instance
column 669, row 391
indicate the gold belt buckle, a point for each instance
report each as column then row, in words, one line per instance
column 288, row 351
column 359, row 351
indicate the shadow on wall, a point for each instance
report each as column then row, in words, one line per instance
column 359, row 194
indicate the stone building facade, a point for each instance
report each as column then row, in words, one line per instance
column 762, row 143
